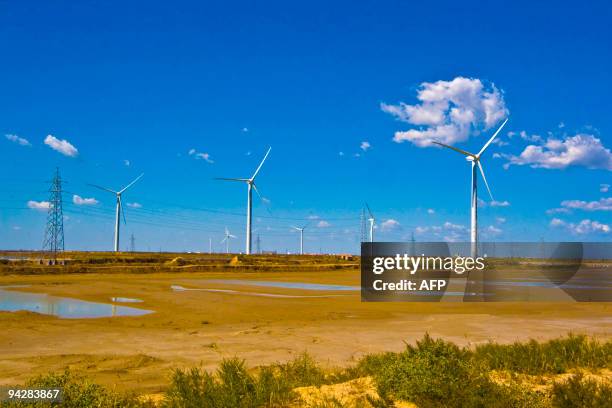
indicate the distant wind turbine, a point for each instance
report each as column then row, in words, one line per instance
column 475, row 160
column 226, row 240
column 372, row 222
column 119, row 209
column 301, row 237
column 250, row 186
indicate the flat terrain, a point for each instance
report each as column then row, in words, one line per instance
column 195, row 327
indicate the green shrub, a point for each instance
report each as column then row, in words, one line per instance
column 554, row 356
column 580, row 392
column 78, row 392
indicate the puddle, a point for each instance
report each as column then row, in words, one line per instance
column 65, row 308
column 125, row 300
column 286, row 285
column 178, row 288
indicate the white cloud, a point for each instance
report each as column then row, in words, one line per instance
column 62, row 146
column 16, row 228
column 558, row 211
column 449, row 111
column 39, row 205
column 454, row 227
column 244, row 129
column 431, row 211
column 134, row 205
column 340, row 153
column 389, row 225
column 604, row 188
column 500, row 203
column 365, row 146
column 530, row 138
column 583, row 227
column 313, row 217
column 493, row 230
column 78, row 200
column 561, row 125
column 127, row 163
column 500, row 220
column 199, row 155
column 603, row 204
column 323, row 224
column 580, row 150
column 19, row 140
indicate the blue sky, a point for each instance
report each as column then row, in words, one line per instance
column 148, row 82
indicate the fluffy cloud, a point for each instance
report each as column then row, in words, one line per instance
column 558, row 211
column 603, row 204
column 19, row 140
column 604, row 188
column 365, row 146
column 449, row 111
column 78, row 200
column 39, row 205
column 127, row 163
column 62, row 146
column 431, row 211
column 500, row 220
column 199, row 155
column 580, row 150
column 134, row 205
column 583, row 227
column 389, row 225
column 323, row 224
column 495, row 203
column 493, row 230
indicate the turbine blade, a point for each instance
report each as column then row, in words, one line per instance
column 231, row 179
column 454, row 148
column 491, row 139
column 223, row 240
column 131, row 184
column 257, row 191
column 485, row 179
column 231, row 236
column 103, row 188
column 369, row 211
column 261, row 164
column 122, row 212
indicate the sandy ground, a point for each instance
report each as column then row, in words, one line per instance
column 194, row 328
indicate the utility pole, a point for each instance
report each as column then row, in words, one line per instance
column 362, row 219
column 258, row 245
column 54, row 231
column 132, row 243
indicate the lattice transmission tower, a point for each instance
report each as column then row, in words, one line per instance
column 363, row 229
column 54, row 232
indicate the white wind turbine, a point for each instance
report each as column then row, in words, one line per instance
column 119, row 208
column 227, row 238
column 475, row 160
column 250, row 186
column 372, row 222
column 301, row 237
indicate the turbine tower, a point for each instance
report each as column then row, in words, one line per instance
column 301, row 237
column 226, row 240
column 475, row 160
column 250, row 186
column 372, row 221
column 119, row 208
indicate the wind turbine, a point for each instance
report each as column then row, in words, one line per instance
column 301, row 237
column 372, row 221
column 226, row 240
column 119, row 209
column 475, row 160
column 250, row 186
